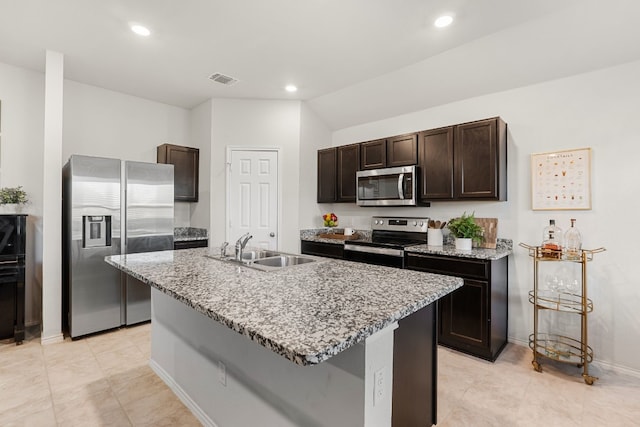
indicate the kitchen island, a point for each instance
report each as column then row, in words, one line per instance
column 319, row 336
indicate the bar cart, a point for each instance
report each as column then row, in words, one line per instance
column 554, row 346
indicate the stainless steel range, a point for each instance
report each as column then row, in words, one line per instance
column 390, row 235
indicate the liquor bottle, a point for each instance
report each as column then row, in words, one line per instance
column 552, row 241
column 573, row 242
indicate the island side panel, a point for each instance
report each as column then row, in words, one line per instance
column 263, row 388
column 415, row 369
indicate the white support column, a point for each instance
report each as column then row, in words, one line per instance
column 52, row 200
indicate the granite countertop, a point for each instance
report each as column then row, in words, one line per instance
column 504, row 247
column 305, row 313
column 312, row 235
column 186, row 234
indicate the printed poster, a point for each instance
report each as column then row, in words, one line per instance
column 561, row 180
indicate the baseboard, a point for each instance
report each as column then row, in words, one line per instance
column 53, row 339
column 182, row 395
column 600, row 364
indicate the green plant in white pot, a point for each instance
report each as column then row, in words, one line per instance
column 11, row 199
column 466, row 231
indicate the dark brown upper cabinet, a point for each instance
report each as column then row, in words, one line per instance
column 327, row 162
column 185, row 161
column 373, row 154
column 435, row 158
column 388, row 153
column 464, row 162
column 348, row 165
column 480, row 160
column 402, row 150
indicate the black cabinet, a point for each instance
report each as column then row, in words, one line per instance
column 327, row 162
column 186, row 165
column 12, row 273
column 190, row 244
column 402, row 150
column 373, row 154
column 480, row 160
column 399, row 150
column 435, row 158
column 337, row 169
column 464, row 162
column 348, row 165
column 473, row 318
column 329, row 250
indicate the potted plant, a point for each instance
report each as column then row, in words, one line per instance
column 11, row 198
column 465, row 231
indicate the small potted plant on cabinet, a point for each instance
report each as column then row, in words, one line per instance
column 465, row 231
column 12, row 199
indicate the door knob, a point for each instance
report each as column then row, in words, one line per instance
column 272, row 234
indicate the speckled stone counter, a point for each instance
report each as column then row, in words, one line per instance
column 305, row 313
column 187, row 234
column 311, row 235
column 504, row 247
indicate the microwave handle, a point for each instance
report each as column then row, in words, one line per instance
column 400, row 186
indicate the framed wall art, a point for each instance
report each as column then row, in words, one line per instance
column 561, row 180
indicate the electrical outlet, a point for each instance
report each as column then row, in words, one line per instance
column 222, row 374
column 378, row 386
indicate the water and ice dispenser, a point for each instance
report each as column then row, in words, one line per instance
column 96, row 231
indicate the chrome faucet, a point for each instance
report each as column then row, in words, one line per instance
column 240, row 244
column 223, row 249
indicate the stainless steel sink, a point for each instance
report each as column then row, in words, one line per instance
column 283, row 261
column 266, row 260
column 257, row 254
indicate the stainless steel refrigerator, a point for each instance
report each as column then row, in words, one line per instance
column 110, row 207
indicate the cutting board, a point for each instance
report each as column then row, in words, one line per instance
column 490, row 226
column 338, row 236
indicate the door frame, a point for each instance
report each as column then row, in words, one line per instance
column 230, row 150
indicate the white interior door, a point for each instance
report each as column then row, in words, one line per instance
column 253, row 197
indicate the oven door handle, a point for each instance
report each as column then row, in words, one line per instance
column 374, row 250
column 400, row 186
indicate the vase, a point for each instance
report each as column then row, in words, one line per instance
column 463, row 244
column 10, row 209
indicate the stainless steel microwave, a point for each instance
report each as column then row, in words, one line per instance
column 387, row 187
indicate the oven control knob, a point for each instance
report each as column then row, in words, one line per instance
column 421, row 223
column 415, row 223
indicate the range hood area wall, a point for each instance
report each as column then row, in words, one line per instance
column 587, row 110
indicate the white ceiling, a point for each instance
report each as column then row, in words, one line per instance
column 385, row 54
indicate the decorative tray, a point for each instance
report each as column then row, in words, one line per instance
column 338, row 236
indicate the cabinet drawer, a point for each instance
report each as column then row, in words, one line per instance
column 452, row 266
column 189, row 244
column 322, row 249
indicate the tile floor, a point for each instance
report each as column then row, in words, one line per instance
column 105, row 380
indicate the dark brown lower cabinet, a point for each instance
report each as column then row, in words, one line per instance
column 329, row 250
column 472, row 319
column 190, row 244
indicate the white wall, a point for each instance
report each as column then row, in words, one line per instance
column 253, row 123
column 100, row 122
column 21, row 163
column 314, row 134
column 200, row 131
column 597, row 110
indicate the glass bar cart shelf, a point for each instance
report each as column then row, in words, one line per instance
column 554, row 346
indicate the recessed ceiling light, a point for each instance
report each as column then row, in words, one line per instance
column 443, row 21
column 140, row 30
column 290, row 88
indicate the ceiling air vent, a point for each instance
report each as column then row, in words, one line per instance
column 221, row 78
